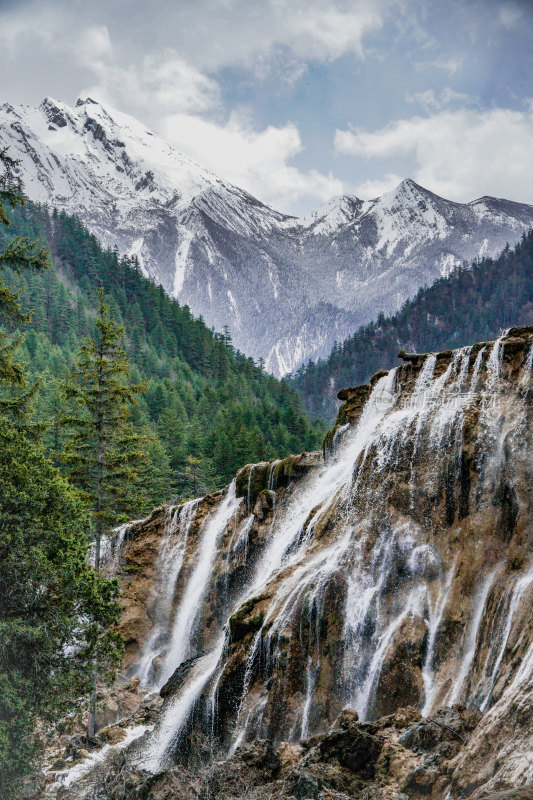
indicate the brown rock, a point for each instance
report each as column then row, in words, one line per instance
column 113, row 734
column 400, row 681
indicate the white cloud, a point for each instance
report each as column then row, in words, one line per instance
column 164, row 83
column 242, row 32
column 509, row 15
column 15, row 29
column 431, row 101
column 459, row 154
column 94, row 44
column 326, row 31
column 450, row 65
column 256, row 160
column 371, row 188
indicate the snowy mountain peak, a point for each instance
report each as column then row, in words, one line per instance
column 288, row 288
column 332, row 216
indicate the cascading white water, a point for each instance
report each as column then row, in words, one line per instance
column 470, row 643
column 110, row 548
column 436, row 613
column 271, row 476
column 392, row 570
column 178, row 523
column 388, row 428
column 249, row 494
column 187, row 612
column 317, row 490
column 177, row 711
column 521, row 586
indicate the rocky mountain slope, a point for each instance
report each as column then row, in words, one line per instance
column 354, row 627
column 288, row 288
column 472, row 304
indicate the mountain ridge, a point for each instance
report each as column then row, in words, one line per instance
column 472, row 304
column 287, row 287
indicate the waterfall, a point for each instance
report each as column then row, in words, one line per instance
column 435, row 617
column 249, row 496
column 178, row 522
column 175, row 714
column 470, row 643
column 528, row 368
column 271, row 475
column 361, row 553
column 521, row 585
column 110, row 548
column 186, row 614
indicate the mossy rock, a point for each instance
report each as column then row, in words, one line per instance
column 342, row 418
column 354, row 393
column 327, row 442
column 244, row 621
column 513, row 345
column 523, row 331
column 355, row 398
column 251, row 480
column 479, row 346
column 377, row 376
column 282, row 472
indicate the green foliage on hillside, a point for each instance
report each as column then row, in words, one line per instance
column 55, row 611
column 208, row 409
column 471, row 305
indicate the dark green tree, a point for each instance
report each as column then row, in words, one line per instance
column 55, row 611
column 20, row 254
column 104, row 454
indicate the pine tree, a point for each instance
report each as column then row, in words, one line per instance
column 57, row 616
column 19, row 255
column 104, row 454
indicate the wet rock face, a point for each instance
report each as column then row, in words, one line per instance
column 397, row 574
column 254, row 479
column 353, row 747
column 400, row 681
column 352, row 760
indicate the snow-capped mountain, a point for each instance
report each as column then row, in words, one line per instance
column 287, row 288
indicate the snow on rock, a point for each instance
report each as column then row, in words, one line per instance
column 287, row 287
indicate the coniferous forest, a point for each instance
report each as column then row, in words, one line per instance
column 205, row 409
column 473, row 304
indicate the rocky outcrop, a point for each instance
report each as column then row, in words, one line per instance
column 396, row 575
column 399, row 756
column 267, row 476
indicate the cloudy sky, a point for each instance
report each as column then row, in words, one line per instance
column 300, row 100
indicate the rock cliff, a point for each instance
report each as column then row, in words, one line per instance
column 358, row 626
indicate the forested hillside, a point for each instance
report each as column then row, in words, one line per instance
column 207, row 408
column 471, row 305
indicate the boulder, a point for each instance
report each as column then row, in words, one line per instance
column 353, row 747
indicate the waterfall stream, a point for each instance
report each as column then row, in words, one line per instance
column 186, row 614
column 170, row 560
column 336, row 540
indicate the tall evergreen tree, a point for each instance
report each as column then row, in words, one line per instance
column 56, row 613
column 20, row 254
column 104, row 453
